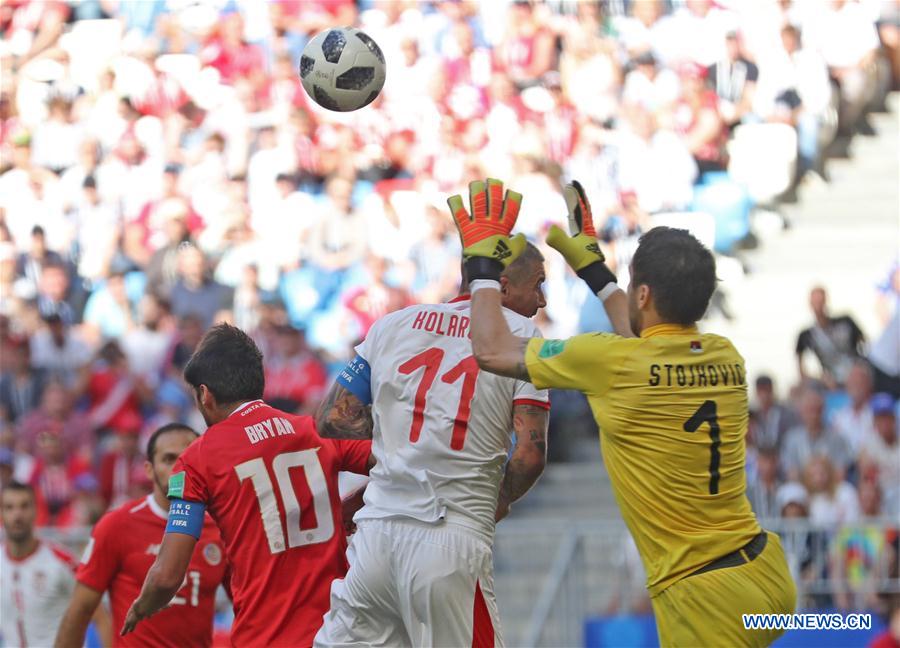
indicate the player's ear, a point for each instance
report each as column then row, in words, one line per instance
column 504, row 285
column 148, row 470
column 643, row 296
column 206, row 398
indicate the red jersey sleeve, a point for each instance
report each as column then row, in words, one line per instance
column 188, row 480
column 354, row 455
column 101, row 558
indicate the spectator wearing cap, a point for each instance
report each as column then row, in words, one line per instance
column 734, row 79
column 21, row 386
column 195, row 292
column 770, row 419
column 792, row 502
column 762, row 487
column 880, row 453
column 813, row 437
column 59, row 350
column 836, row 342
column 854, row 420
column 122, row 475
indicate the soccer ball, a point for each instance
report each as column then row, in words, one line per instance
column 342, row 69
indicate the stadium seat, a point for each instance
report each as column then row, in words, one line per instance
column 729, row 204
column 763, row 158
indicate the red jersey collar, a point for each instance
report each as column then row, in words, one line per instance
column 243, row 405
column 461, row 298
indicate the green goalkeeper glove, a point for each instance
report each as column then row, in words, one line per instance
column 581, row 250
column 487, row 245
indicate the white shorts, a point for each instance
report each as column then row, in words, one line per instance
column 413, row 584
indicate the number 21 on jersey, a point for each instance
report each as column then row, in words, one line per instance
column 467, row 369
column 273, row 522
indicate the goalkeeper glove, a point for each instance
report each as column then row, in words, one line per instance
column 581, row 250
column 484, row 231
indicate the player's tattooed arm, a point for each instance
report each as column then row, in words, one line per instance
column 342, row 415
column 528, row 458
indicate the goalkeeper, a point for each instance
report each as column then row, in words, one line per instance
column 671, row 406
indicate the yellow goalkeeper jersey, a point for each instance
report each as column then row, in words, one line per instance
column 671, row 406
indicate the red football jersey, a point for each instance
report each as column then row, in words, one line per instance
column 271, row 484
column 123, row 546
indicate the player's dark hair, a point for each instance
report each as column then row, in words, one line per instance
column 17, row 486
column 229, row 363
column 680, row 272
column 168, row 427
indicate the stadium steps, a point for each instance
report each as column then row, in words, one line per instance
column 570, row 492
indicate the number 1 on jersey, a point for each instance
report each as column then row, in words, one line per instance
column 431, row 359
column 707, row 413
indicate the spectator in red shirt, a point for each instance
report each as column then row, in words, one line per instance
column 122, row 473
column 295, row 378
column 55, row 476
column 526, row 52
column 231, row 55
column 697, row 120
column 114, row 394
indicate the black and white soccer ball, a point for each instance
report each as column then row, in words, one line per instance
column 342, row 69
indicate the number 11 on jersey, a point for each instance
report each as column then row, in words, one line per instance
column 467, row 369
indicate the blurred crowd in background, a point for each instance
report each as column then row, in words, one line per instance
column 163, row 169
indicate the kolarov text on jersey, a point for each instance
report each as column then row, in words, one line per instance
column 443, row 428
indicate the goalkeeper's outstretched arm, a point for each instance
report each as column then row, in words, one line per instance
column 494, row 346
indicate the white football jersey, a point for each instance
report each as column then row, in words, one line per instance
column 442, row 428
column 34, row 593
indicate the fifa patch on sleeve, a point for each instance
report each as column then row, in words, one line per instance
column 551, row 348
column 176, row 485
column 356, row 378
column 185, row 517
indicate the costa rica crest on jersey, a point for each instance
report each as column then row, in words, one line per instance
column 212, row 554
